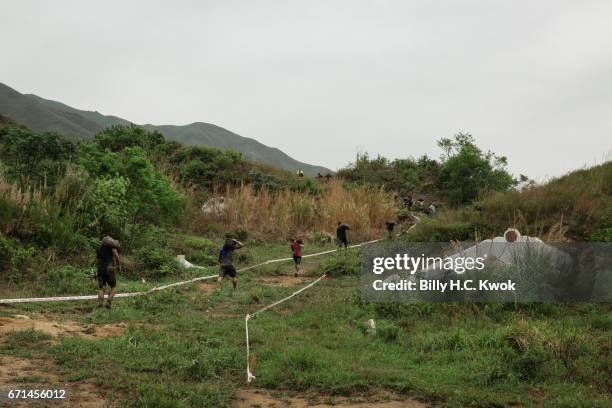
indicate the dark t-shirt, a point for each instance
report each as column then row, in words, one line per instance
column 390, row 225
column 227, row 253
column 104, row 254
column 341, row 232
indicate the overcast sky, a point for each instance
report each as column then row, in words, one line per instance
column 322, row 80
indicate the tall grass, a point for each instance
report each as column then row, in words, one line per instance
column 278, row 215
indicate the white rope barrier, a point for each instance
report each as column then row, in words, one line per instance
column 250, row 376
column 154, row 289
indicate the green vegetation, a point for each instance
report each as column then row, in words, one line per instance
column 575, row 207
column 188, row 345
column 185, row 346
column 462, row 174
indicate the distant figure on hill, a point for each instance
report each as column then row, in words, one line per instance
column 390, row 225
column 420, row 204
column 296, row 248
column 300, row 173
column 328, row 176
column 341, row 234
column 432, row 209
column 408, row 202
column 319, row 176
column 226, row 260
column 107, row 254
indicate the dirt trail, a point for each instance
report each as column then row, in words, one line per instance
column 55, row 328
column 41, row 374
column 284, row 280
column 259, row 398
column 208, row 288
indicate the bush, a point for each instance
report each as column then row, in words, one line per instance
column 601, row 235
column 152, row 253
column 110, row 204
column 528, row 365
column 34, row 158
column 342, row 264
column 16, row 260
column 67, row 279
column 387, row 330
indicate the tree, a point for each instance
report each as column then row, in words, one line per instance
column 36, row 157
column 118, row 137
column 467, row 170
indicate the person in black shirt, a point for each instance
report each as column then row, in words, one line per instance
column 390, row 225
column 341, row 234
column 105, row 255
column 226, row 262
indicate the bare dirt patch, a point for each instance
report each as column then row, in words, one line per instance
column 208, row 288
column 21, row 373
column 55, row 328
column 254, row 397
column 284, row 280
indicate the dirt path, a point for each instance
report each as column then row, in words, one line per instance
column 42, row 374
column 57, row 328
column 259, row 398
column 284, row 280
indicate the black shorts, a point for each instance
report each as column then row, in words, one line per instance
column 297, row 259
column 227, row 270
column 342, row 241
column 106, row 276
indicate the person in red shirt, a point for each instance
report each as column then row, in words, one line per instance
column 296, row 248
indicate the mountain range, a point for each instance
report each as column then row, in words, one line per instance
column 42, row 114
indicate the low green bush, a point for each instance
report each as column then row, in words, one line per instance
column 387, row 330
column 67, row 279
column 342, row 263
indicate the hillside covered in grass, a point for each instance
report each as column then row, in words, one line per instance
column 574, row 207
column 185, row 346
column 42, row 114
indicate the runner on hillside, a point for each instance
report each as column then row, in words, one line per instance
column 341, row 234
column 390, row 225
column 296, row 247
column 408, row 202
column 432, row 209
column 420, row 204
column 105, row 255
column 225, row 260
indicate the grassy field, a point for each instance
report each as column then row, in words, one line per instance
column 186, row 346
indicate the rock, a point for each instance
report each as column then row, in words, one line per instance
column 371, row 327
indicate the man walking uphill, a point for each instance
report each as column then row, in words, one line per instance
column 390, row 225
column 105, row 255
column 296, row 248
column 341, row 234
column 226, row 262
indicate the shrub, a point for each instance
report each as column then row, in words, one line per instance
column 387, row 330
column 601, row 235
column 67, row 279
column 150, row 195
column 37, row 158
column 342, row 264
column 152, row 252
column 110, row 204
column 528, row 365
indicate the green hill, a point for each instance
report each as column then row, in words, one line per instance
column 43, row 114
